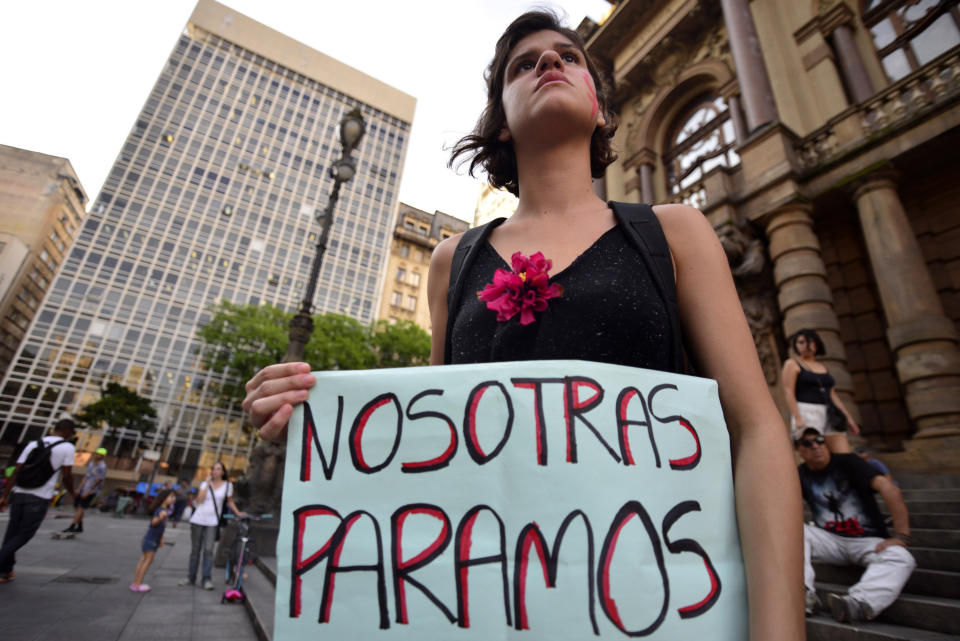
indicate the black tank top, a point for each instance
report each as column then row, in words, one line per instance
column 609, row 312
column 809, row 384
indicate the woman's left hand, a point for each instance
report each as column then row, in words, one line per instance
column 852, row 426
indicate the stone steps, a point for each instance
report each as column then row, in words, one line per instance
column 934, row 614
column 926, row 506
column 933, row 538
column 936, row 558
column 260, row 591
column 937, row 494
column 823, row 628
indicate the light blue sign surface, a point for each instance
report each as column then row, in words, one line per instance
column 532, row 500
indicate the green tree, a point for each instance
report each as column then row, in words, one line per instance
column 118, row 407
column 401, row 344
column 243, row 339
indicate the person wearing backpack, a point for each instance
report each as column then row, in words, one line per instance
column 32, row 485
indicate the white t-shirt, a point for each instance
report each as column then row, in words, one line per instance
column 204, row 513
column 60, row 456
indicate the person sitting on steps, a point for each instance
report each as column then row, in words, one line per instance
column 848, row 529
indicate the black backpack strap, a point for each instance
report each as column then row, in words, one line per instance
column 466, row 252
column 644, row 231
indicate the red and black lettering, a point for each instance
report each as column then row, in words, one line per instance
column 536, row 384
column 531, row 536
column 470, row 422
column 310, row 435
column 627, row 394
column 356, row 432
column 574, row 408
column 402, row 569
column 687, row 462
column 300, row 565
column 607, row 602
column 333, row 551
column 462, row 562
column 689, row 545
column 444, row 459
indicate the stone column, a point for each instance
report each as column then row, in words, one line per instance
column 736, row 117
column 851, row 63
column 803, row 293
column 748, row 58
column 922, row 337
column 647, row 194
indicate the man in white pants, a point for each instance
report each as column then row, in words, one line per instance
column 848, row 529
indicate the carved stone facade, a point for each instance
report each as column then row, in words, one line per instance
column 835, row 205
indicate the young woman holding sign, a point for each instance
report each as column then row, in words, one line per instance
column 544, row 134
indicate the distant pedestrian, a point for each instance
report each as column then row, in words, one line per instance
column 153, row 539
column 214, row 493
column 32, row 484
column 89, row 488
column 180, row 504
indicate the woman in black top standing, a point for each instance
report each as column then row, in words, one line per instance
column 544, row 134
column 809, row 388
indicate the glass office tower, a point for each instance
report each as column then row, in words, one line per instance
column 212, row 197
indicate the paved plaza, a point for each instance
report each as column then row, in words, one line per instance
column 79, row 589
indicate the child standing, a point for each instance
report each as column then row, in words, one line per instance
column 159, row 510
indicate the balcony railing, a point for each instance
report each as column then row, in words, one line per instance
column 914, row 96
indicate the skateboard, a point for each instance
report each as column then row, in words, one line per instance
column 64, row 535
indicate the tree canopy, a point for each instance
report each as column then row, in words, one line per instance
column 118, row 407
column 243, row 339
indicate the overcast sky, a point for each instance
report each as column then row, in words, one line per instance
column 75, row 74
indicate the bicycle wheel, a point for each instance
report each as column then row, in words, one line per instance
column 230, row 570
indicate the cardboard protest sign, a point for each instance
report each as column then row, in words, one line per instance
column 540, row 499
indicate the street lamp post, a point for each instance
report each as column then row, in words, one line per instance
column 352, row 128
column 266, row 465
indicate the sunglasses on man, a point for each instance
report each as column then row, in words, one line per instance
column 805, row 442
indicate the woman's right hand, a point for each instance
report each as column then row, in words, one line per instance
column 272, row 393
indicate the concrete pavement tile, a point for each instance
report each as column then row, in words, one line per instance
column 21, row 630
column 79, row 611
column 79, row 631
column 166, row 631
column 241, row 629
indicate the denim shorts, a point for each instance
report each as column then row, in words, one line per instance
column 150, row 544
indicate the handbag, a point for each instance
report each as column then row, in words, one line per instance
column 221, row 519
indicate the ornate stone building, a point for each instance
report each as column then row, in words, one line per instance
column 819, row 137
column 417, row 232
column 493, row 203
column 41, row 208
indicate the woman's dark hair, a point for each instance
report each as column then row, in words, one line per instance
column 158, row 501
column 811, row 336
column 484, row 148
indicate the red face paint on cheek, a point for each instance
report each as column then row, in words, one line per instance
column 593, row 95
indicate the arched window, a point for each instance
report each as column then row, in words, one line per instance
column 701, row 139
column 908, row 34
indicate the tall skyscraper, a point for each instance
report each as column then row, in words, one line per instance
column 212, row 197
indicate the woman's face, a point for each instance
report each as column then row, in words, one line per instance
column 548, row 90
column 167, row 502
column 805, row 346
column 217, row 471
